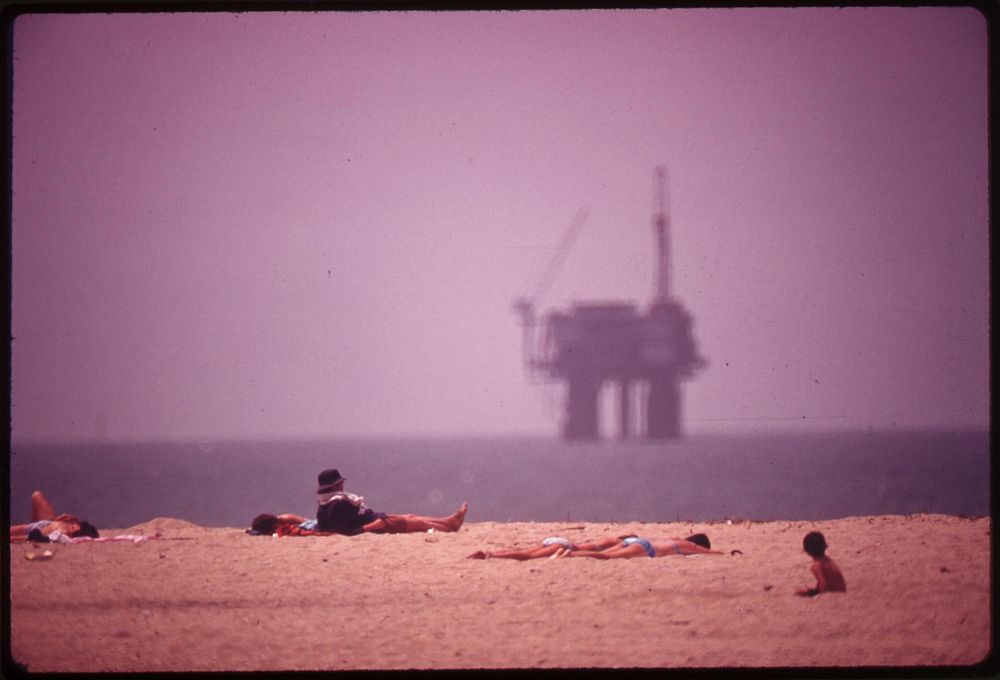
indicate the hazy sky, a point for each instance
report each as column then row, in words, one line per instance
column 270, row 224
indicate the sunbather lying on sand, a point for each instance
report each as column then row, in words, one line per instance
column 287, row 524
column 47, row 526
column 549, row 547
column 345, row 513
column 633, row 546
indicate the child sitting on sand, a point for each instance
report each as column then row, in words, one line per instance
column 829, row 578
column 633, row 546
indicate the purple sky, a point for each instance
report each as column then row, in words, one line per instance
column 290, row 225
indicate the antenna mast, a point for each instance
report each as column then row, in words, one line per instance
column 661, row 225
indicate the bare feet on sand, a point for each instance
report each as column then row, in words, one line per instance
column 456, row 520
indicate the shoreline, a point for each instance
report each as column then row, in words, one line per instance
column 217, row 599
column 773, row 478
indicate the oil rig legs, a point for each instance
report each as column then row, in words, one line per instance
column 663, row 408
column 653, row 411
column 581, row 421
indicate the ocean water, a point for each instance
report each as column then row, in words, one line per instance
column 702, row 477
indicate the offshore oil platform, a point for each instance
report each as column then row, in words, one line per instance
column 644, row 355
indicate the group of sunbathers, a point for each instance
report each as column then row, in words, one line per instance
column 829, row 578
column 340, row 512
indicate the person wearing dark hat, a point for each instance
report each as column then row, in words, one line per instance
column 345, row 513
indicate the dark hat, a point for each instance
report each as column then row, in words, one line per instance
column 328, row 479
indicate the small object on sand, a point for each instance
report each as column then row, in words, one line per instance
column 736, row 552
column 768, row 587
column 44, row 555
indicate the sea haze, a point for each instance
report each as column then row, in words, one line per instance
column 702, row 477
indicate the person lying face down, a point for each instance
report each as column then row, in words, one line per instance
column 549, row 548
column 634, row 546
column 345, row 513
column 47, row 526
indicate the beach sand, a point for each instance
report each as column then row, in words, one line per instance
column 210, row 599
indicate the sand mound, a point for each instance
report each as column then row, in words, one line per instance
column 166, row 526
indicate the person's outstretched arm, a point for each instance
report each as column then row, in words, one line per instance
column 695, row 549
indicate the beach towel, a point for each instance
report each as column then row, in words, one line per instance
column 132, row 538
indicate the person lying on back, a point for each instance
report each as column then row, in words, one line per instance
column 345, row 513
column 47, row 526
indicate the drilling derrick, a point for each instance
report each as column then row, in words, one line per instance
column 642, row 355
column 661, row 226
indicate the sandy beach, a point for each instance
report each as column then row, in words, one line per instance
column 209, row 599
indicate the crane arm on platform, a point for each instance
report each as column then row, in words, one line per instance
column 526, row 305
